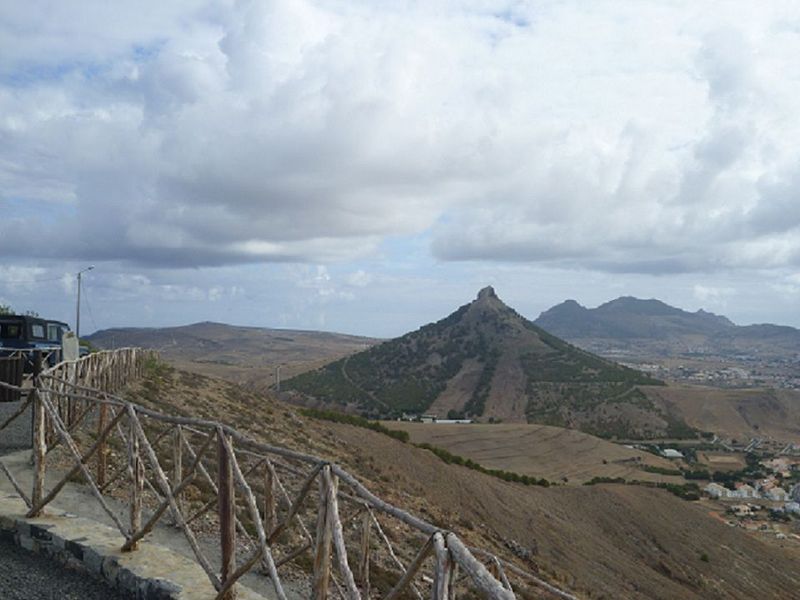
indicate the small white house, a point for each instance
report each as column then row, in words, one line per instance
column 792, row 507
column 671, row 453
column 744, row 491
column 716, row 490
column 795, row 492
column 777, row 494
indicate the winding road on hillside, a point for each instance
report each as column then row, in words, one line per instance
column 372, row 396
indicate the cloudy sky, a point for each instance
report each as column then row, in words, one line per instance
column 366, row 167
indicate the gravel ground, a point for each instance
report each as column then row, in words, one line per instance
column 18, row 433
column 28, row 576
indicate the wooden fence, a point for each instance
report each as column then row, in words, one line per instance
column 11, row 372
column 259, row 508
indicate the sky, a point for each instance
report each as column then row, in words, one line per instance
column 367, row 167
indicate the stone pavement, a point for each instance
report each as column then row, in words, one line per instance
column 75, row 529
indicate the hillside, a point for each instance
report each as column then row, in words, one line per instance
column 737, row 414
column 653, row 327
column 603, row 541
column 243, row 355
column 554, row 453
column 485, row 361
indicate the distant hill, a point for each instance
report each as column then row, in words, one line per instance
column 486, row 361
column 244, row 355
column 653, row 327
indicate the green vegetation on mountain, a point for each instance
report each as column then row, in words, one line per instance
column 486, row 361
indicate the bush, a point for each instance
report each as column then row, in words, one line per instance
column 661, row 470
column 454, row 459
column 337, row 417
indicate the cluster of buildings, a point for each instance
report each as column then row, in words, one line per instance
column 745, row 491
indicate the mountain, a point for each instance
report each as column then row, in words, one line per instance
column 655, row 328
column 486, row 361
column 627, row 318
column 244, row 355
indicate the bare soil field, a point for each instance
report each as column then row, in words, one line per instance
column 739, row 414
column 722, row 462
column 539, row 450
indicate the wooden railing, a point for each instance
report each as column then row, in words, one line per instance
column 256, row 500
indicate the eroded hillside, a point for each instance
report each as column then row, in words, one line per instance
column 607, row 541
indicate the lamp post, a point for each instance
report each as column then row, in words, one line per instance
column 78, row 312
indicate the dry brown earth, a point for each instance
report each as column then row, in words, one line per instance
column 539, row 450
column 607, row 541
column 248, row 356
column 739, row 414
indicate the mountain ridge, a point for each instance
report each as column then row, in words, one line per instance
column 627, row 320
column 486, row 361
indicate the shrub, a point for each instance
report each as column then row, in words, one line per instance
column 337, row 417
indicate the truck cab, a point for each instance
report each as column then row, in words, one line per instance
column 24, row 332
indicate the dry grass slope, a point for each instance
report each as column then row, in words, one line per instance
column 539, row 450
column 603, row 541
column 739, row 414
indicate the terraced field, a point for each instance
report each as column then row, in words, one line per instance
column 539, row 450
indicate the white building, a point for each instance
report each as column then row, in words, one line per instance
column 671, row 453
column 778, row 494
column 716, row 490
column 795, row 492
column 744, row 491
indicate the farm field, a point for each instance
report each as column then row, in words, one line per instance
column 722, row 461
column 738, row 414
column 539, row 450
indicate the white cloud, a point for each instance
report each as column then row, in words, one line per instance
column 359, row 278
column 637, row 137
column 621, row 138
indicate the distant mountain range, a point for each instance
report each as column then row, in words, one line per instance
column 486, row 361
column 653, row 327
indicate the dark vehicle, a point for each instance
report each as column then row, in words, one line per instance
column 23, row 332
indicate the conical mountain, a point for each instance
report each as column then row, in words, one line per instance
column 485, row 361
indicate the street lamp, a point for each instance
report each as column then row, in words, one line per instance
column 78, row 315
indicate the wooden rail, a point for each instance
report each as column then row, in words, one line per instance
column 258, row 500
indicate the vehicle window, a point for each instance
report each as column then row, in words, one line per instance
column 10, row 331
column 53, row 333
column 37, row 331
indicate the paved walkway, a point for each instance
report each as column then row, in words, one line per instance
column 164, row 554
column 28, row 576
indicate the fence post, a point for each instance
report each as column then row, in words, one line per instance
column 177, row 467
column 444, row 564
column 227, row 514
column 322, row 550
column 101, row 451
column 137, row 477
column 363, row 562
column 270, row 514
column 39, row 445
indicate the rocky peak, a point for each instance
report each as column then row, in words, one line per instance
column 486, row 293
